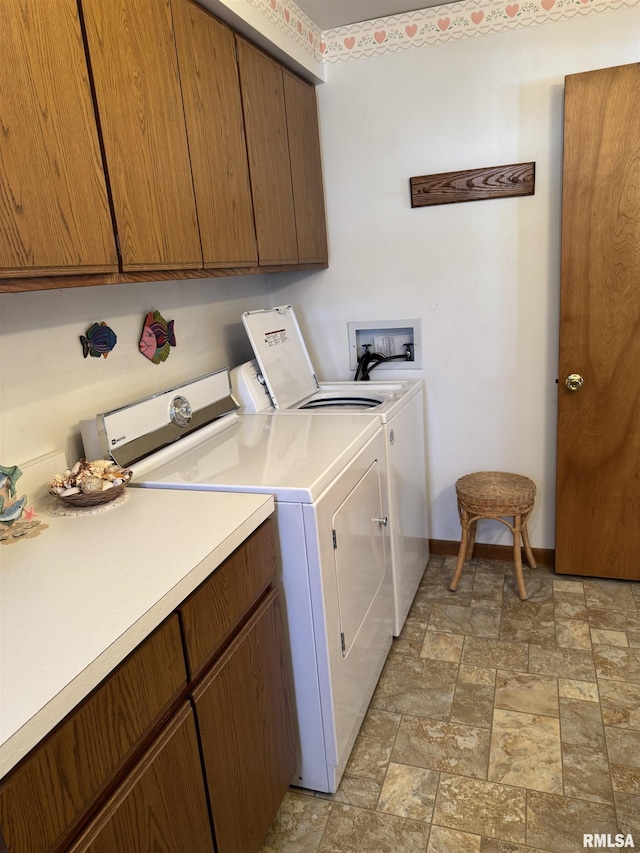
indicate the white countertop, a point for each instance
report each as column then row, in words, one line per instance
column 78, row 598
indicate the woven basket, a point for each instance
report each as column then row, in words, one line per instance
column 93, row 498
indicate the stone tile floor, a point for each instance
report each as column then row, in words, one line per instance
column 497, row 726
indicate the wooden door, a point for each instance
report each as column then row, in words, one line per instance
column 598, row 473
column 215, row 128
column 268, row 147
column 135, row 68
column 161, row 805
column 54, row 210
column 306, row 169
column 245, row 730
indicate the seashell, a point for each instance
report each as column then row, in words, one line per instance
column 71, row 490
column 106, row 484
column 89, row 485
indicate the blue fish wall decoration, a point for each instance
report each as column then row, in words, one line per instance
column 99, row 340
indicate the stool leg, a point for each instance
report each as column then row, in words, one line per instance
column 464, row 521
column 472, row 539
column 517, row 557
column 527, row 547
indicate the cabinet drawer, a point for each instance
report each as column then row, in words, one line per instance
column 218, row 606
column 44, row 798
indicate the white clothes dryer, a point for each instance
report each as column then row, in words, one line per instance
column 328, row 478
column 282, row 379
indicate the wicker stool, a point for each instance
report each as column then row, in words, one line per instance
column 493, row 494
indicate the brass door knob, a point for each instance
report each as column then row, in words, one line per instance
column 574, row 381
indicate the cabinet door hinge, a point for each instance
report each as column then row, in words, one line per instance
column 335, row 539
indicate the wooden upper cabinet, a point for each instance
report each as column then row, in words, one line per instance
column 54, row 209
column 135, row 68
column 306, row 169
column 215, row 128
column 268, row 147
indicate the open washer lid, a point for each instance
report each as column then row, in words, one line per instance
column 281, row 352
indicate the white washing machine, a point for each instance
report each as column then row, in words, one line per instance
column 282, row 379
column 328, row 478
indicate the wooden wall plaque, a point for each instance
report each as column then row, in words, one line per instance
column 473, row 185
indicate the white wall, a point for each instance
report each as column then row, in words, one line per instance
column 484, row 276
column 46, row 386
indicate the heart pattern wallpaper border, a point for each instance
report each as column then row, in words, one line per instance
column 444, row 23
column 425, row 26
column 292, row 21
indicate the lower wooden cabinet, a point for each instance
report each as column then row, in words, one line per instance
column 245, row 731
column 123, row 773
column 45, row 800
column 161, row 805
column 217, row 608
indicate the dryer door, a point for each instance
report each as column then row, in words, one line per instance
column 359, row 554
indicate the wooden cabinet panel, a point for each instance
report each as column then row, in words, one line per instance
column 161, row 805
column 306, row 169
column 219, row 604
column 45, row 796
column 245, row 732
column 268, row 148
column 54, row 210
column 133, row 59
column 215, row 128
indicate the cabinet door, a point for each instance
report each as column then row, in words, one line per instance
column 215, row 128
column 54, row 211
column 245, row 732
column 133, row 59
column 268, row 146
column 306, row 169
column 161, row 805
